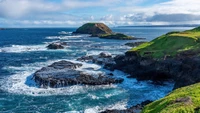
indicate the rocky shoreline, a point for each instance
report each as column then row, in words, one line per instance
column 183, row 68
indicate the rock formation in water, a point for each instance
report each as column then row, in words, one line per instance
column 64, row 73
column 102, row 31
column 95, row 29
column 57, row 45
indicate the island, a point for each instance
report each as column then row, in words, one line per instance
column 102, row 31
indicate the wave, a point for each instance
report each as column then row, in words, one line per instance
column 64, row 33
column 129, row 93
column 66, row 37
column 22, row 83
column 23, row 48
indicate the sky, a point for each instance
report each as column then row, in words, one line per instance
column 73, row 13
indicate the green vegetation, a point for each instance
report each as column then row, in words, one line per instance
column 170, row 44
column 95, row 29
column 182, row 100
column 117, row 36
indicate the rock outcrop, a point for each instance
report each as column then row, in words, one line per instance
column 57, row 45
column 65, row 73
column 182, row 70
column 103, row 58
column 102, row 31
column 118, row 36
column 95, row 29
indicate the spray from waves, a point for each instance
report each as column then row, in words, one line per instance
column 22, row 83
column 23, row 48
column 27, row 48
column 66, row 37
column 64, row 33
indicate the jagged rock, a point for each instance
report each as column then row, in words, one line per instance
column 118, row 36
column 184, row 70
column 103, row 58
column 56, row 46
column 64, row 73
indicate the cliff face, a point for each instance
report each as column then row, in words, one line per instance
column 95, row 29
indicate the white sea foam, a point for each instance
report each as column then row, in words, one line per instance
column 66, row 37
column 64, row 33
column 22, row 83
column 23, row 48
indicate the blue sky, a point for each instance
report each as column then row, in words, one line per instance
column 73, row 13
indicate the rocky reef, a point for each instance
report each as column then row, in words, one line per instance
column 65, row 73
column 102, row 31
column 57, row 45
column 104, row 58
column 118, row 36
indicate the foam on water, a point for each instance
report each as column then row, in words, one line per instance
column 23, row 48
column 64, row 33
column 22, row 83
column 66, row 37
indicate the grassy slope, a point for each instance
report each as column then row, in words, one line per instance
column 167, row 104
column 171, row 43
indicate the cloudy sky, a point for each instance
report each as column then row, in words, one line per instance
column 73, row 13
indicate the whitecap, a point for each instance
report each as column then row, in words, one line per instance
column 22, row 83
column 23, row 48
column 66, row 37
column 64, row 33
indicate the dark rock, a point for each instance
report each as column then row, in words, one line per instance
column 118, row 36
column 64, row 73
column 105, row 55
column 134, row 44
column 103, row 58
column 185, row 100
column 183, row 70
column 55, row 46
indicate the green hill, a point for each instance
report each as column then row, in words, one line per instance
column 182, row 100
column 171, row 44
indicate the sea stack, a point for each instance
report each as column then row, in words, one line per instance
column 102, row 31
column 95, row 29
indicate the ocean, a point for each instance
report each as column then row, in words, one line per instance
column 23, row 51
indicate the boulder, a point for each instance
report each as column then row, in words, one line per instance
column 56, row 46
column 65, row 73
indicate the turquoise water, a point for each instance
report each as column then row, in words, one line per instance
column 23, row 51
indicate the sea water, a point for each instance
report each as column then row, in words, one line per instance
column 23, row 51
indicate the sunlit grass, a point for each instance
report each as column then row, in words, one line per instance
column 170, row 44
column 168, row 104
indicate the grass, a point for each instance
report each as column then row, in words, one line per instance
column 170, row 44
column 168, row 104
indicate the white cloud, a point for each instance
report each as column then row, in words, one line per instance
column 117, row 12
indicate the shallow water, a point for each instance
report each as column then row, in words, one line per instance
column 23, row 51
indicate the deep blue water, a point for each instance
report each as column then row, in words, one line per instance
column 23, row 51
